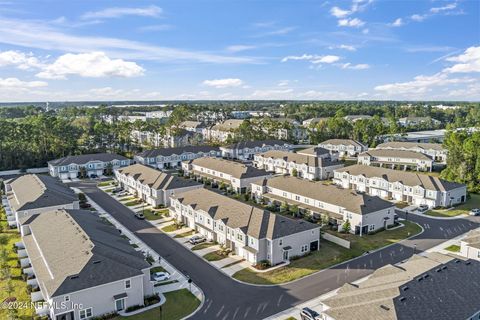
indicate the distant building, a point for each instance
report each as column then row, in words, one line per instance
column 314, row 163
column 434, row 150
column 415, row 121
column 160, row 114
column 223, row 130
column 402, row 159
column 245, row 150
column 98, row 164
column 356, row 117
column 169, row 158
column 312, row 121
column 411, row 187
column 431, row 286
column 344, row 147
column 237, row 175
column 192, row 126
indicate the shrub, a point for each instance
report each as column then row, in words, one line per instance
column 262, row 265
column 106, row 316
column 149, row 300
column 133, row 308
column 149, row 259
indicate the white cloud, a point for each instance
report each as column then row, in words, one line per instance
column 344, row 47
column 418, row 17
column 239, row 47
column 223, row 83
column 117, row 12
column 90, row 65
column 14, row 83
column 397, row 23
column 339, row 13
column 365, row 31
column 19, row 60
column 355, row 22
column 155, row 27
column 450, row 6
column 283, row 83
column 469, row 61
column 315, row 59
column 276, row 32
column 360, row 66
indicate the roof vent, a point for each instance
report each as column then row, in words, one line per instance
column 96, row 261
column 438, row 270
column 402, row 299
column 426, row 276
column 419, row 279
column 384, row 307
column 457, row 261
column 405, row 288
column 74, row 277
column 444, row 267
column 468, row 263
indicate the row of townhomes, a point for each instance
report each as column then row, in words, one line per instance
column 222, row 131
column 344, row 147
column 252, row 233
column 411, row 187
column 33, row 193
column 169, row 158
column 314, row 163
column 237, row 175
column 364, row 212
column 82, row 266
column 470, row 245
column 396, row 159
column 434, row 150
column 97, row 164
column 152, row 186
column 246, row 150
column 431, row 286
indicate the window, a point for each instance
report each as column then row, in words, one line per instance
column 304, row 248
column 128, row 284
column 66, row 298
column 86, row 313
column 280, row 242
column 120, row 304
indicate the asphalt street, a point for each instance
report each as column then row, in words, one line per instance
column 227, row 299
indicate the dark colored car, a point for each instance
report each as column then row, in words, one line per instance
column 309, row 314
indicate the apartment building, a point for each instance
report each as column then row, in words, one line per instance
column 169, row 158
column 411, row 187
column 314, row 163
column 431, row 286
column 401, row 159
column 33, row 193
column 470, row 245
column 364, row 212
column 83, row 269
column 192, row 126
column 434, row 150
column 344, row 147
column 96, row 164
column 312, row 122
column 415, row 121
column 238, row 175
column 245, row 150
column 222, row 131
column 250, row 232
column 152, row 186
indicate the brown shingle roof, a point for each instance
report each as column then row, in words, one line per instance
column 411, row 145
column 402, row 154
column 298, row 158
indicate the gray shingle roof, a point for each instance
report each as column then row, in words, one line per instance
column 402, row 154
column 33, row 191
column 155, row 179
column 411, row 179
column 300, row 158
column 235, row 169
column 352, row 201
column 337, row 142
column 176, row 151
column 85, row 158
column 83, row 252
column 411, row 145
column 253, row 221
column 228, row 125
column 253, row 144
column 314, row 151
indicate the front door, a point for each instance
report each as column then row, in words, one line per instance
column 66, row 316
column 314, row 246
column 285, row 255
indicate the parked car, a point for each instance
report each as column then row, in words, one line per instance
column 93, row 176
column 422, row 208
column 139, row 215
column 161, row 276
column 309, row 314
column 197, row 239
column 475, row 212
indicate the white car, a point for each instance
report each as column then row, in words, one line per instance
column 475, row 212
column 161, row 276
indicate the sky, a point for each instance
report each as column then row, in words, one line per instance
column 80, row 50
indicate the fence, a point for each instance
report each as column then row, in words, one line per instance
column 30, row 170
column 341, row 242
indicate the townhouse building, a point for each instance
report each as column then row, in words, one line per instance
column 470, row 245
column 84, row 269
column 222, row 131
column 290, row 129
column 250, row 232
column 152, row 186
column 401, row 159
column 96, row 164
column 33, row 194
column 193, row 126
column 237, row 175
column 308, row 123
column 169, row 158
column 245, row 150
column 357, row 117
column 434, row 150
column 344, row 147
column 411, row 187
column 431, row 286
column 415, row 121
column 364, row 212
column 314, row 163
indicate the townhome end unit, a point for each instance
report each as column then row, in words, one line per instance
column 314, row 163
column 222, row 131
column 434, row 150
column 364, row 212
column 344, row 147
column 33, row 193
column 245, row 150
column 84, row 269
column 402, row 159
column 169, row 158
column 411, row 187
column 152, row 186
column 237, row 175
column 98, row 164
column 431, row 286
column 252, row 233
column 470, row 245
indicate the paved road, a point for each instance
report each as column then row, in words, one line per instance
column 226, row 299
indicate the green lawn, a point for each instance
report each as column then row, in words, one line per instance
column 126, row 198
column 203, row 245
column 328, row 255
column 19, row 286
column 179, row 304
column 157, row 269
column 132, row 203
column 463, row 209
column 185, row 234
column 291, row 318
column 170, row 228
column 165, row 283
column 453, row 248
column 105, row 183
column 152, row 215
column 214, row 256
column 401, row 205
column 109, row 190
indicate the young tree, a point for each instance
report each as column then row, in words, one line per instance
column 346, row 226
column 295, row 173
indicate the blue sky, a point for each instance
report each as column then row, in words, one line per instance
column 276, row 49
